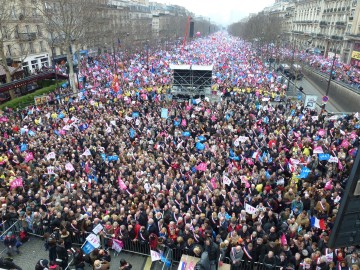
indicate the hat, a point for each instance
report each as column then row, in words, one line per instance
column 44, row 263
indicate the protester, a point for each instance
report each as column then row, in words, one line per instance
column 250, row 169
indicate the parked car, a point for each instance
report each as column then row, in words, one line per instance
column 296, row 72
column 284, row 68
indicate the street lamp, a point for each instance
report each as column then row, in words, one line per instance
column 330, row 76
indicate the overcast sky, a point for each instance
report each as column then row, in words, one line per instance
column 223, row 12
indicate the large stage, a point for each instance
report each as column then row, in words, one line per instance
column 191, row 81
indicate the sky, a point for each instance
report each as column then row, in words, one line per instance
column 223, row 12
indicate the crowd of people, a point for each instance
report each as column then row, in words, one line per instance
column 239, row 180
column 342, row 72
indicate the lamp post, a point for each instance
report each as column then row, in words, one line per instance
column 330, row 76
column 292, row 62
column 53, row 62
column 147, row 53
column 114, row 55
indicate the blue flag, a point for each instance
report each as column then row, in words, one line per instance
column 323, row 156
column 83, row 127
column 202, row 138
column 135, row 114
column 113, row 158
column 304, row 172
column 186, row 133
column 132, row 133
column 23, row 147
column 200, row 146
column 103, row 156
column 176, row 123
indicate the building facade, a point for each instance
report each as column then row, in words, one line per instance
column 23, row 36
column 329, row 26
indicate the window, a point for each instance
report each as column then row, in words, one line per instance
column 4, row 32
column 9, row 50
column 16, row 31
column 22, row 48
column 27, row 28
column 13, row 12
column 41, row 43
column 31, row 46
column 38, row 28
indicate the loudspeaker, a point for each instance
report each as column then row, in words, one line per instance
column 191, row 33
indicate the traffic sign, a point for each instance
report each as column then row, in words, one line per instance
column 325, row 99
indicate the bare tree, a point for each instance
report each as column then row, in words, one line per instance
column 70, row 21
column 264, row 27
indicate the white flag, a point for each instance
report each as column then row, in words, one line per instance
column 250, row 210
column 69, row 167
column 226, row 180
column 50, row 170
column 333, row 159
column 108, row 130
column 50, row 156
column 66, row 127
column 155, row 256
column 86, row 153
column 116, row 245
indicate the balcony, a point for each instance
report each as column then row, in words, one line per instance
column 336, row 37
column 350, row 19
column 340, row 24
column 323, row 24
column 27, row 36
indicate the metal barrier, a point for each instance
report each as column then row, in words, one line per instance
column 9, row 226
column 173, row 255
column 251, row 265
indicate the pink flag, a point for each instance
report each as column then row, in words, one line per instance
column 183, row 122
column 318, row 150
column 4, row 119
column 6, row 136
column 340, row 166
column 213, row 182
column 201, row 167
column 188, row 107
column 69, row 167
column 283, row 240
column 328, row 185
column 321, row 132
column 213, row 118
column 29, row 156
column 344, row 144
column 87, row 167
column 352, row 135
column 62, row 132
column 16, row 183
column 249, row 161
column 122, row 185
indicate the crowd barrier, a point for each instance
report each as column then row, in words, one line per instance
column 6, row 227
column 173, row 255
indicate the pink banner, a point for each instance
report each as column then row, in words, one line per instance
column 29, row 156
column 16, row 183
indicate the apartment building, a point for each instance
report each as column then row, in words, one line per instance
column 330, row 26
column 23, row 36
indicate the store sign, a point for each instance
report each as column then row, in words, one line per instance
column 355, row 55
